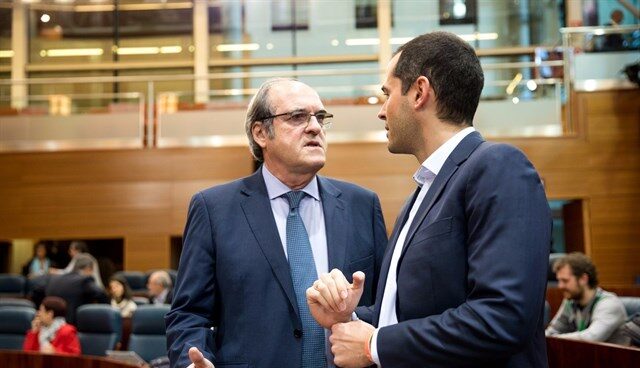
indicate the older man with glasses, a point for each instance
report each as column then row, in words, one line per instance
column 253, row 246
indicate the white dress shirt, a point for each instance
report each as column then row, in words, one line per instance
column 424, row 176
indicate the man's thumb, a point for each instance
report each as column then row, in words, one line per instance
column 196, row 358
column 358, row 280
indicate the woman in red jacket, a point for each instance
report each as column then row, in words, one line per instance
column 50, row 333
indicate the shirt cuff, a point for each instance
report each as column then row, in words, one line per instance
column 374, row 347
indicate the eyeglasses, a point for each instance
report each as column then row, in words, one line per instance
column 301, row 117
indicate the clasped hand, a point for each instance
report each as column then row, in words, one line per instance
column 332, row 300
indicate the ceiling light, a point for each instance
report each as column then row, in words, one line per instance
column 238, row 47
column 6, row 53
column 73, row 52
column 45, row 18
column 170, row 49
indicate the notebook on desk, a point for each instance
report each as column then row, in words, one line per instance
column 129, row 357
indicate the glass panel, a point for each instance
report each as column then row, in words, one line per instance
column 133, row 30
column 5, row 36
column 498, row 23
column 5, row 92
column 262, row 29
column 74, row 121
column 62, row 35
column 65, row 88
column 158, row 30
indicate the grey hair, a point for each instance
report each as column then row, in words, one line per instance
column 83, row 260
column 259, row 108
column 163, row 278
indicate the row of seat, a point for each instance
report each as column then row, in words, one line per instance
column 14, row 285
column 99, row 329
column 137, row 280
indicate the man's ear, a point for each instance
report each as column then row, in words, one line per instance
column 584, row 279
column 260, row 134
column 423, row 92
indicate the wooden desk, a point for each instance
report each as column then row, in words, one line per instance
column 563, row 353
column 27, row 359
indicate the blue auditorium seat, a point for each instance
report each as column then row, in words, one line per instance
column 137, row 280
column 99, row 328
column 16, row 302
column 631, row 304
column 148, row 333
column 547, row 313
column 14, row 324
column 12, row 285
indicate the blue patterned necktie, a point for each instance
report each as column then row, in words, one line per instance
column 303, row 274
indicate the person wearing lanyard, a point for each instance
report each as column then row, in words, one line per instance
column 587, row 312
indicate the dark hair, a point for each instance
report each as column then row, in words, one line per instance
column 127, row 294
column 55, row 304
column 580, row 265
column 80, row 246
column 38, row 245
column 83, row 261
column 453, row 69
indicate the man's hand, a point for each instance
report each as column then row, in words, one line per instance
column 348, row 344
column 198, row 360
column 332, row 299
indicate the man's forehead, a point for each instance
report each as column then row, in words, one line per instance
column 295, row 95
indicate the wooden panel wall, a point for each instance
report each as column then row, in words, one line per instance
column 139, row 195
column 142, row 195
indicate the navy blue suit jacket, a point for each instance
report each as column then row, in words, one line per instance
column 472, row 273
column 234, row 275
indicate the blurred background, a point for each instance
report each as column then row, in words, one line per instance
column 113, row 113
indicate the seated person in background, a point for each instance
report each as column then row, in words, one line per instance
column 120, row 293
column 76, row 248
column 50, row 333
column 160, row 288
column 78, row 287
column 587, row 312
column 38, row 265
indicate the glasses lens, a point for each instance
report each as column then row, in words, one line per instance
column 299, row 118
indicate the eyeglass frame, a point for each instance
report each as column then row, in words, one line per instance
column 309, row 115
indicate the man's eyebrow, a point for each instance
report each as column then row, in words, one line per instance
column 384, row 89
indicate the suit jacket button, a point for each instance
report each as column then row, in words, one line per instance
column 297, row 333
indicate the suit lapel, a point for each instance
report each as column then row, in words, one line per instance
column 336, row 223
column 257, row 209
column 455, row 159
column 386, row 260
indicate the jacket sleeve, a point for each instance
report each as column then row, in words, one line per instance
column 31, row 342
column 381, row 240
column 560, row 323
column 191, row 317
column 507, row 228
column 66, row 341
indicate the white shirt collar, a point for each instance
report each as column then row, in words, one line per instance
column 276, row 188
column 433, row 164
